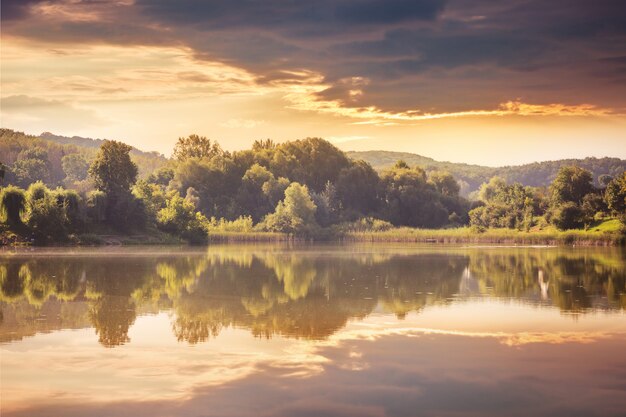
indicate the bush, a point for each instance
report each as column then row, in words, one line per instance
column 13, row 205
column 568, row 216
column 46, row 219
column 366, row 224
column 295, row 214
column 180, row 218
column 242, row 224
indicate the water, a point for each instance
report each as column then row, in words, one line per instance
column 353, row 330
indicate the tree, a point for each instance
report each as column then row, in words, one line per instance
column 358, row 188
column 295, row 214
column 32, row 165
column 251, row 197
column 13, row 201
column 504, row 205
column 179, row 217
column 615, row 196
column 311, row 161
column 571, row 184
column 410, row 199
column 113, row 172
column 195, row 146
column 75, row 167
column 568, row 215
column 45, row 216
column 445, row 183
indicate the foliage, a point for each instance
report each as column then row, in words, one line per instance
column 295, row 214
column 41, row 158
column 444, row 182
column 75, row 166
column 195, row 146
column 568, row 215
column 112, row 171
column 242, row 224
column 410, row 199
column 46, row 218
column 305, row 188
column 571, row 184
column 470, row 177
column 96, row 207
column 615, row 196
column 508, row 206
column 13, row 205
column 180, row 217
column 358, row 188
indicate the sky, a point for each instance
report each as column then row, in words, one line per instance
column 476, row 81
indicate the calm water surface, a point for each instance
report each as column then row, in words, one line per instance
column 355, row 330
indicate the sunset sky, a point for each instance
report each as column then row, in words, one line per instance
column 477, row 81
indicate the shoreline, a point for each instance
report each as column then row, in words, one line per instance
column 400, row 235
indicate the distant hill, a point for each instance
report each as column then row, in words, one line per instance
column 471, row 176
column 12, row 143
column 95, row 144
column 147, row 162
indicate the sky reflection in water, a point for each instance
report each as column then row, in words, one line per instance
column 353, row 330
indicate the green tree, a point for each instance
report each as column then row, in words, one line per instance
column 295, row 214
column 96, row 206
column 32, row 165
column 358, row 188
column 112, row 171
column 445, row 183
column 179, row 217
column 75, row 167
column 410, row 200
column 46, row 215
column 508, row 206
column 13, row 202
column 311, row 161
column 568, row 215
column 615, row 196
column 250, row 196
column 194, row 146
column 571, row 184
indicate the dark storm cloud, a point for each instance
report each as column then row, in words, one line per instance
column 287, row 14
column 408, row 49
column 16, row 9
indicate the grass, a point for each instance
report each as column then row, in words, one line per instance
column 605, row 234
column 251, row 237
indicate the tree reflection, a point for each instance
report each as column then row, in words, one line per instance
column 295, row 293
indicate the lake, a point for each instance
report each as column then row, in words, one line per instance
column 325, row 330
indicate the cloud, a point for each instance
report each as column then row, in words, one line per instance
column 28, row 113
column 445, row 56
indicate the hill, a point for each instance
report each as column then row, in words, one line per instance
column 471, row 176
column 41, row 157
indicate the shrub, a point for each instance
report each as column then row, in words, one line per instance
column 13, row 205
column 567, row 216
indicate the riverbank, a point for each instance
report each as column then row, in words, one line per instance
column 491, row 236
column 605, row 235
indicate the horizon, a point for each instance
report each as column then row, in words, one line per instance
column 169, row 155
column 467, row 82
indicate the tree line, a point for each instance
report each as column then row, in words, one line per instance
column 305, row 187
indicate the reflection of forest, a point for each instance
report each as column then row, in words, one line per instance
column 304, row 294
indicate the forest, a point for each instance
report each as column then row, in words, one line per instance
column 59, row 192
